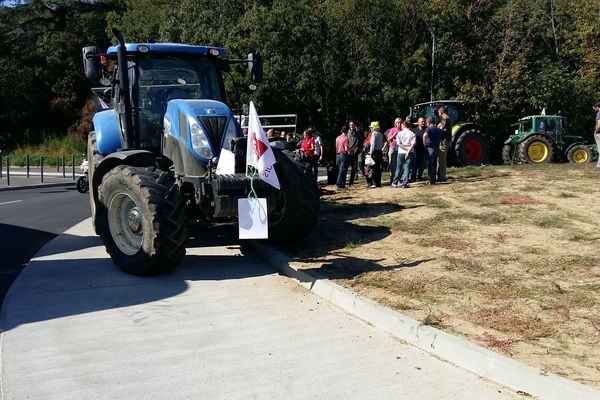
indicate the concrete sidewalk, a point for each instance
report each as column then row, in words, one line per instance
column 222, row 325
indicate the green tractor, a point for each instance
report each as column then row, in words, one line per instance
column 542, row 139
column 469, row 146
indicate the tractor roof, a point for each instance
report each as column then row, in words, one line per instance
column 440, row 102
column 169, row 48
column 539, row 116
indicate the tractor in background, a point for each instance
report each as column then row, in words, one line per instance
column 542, row 139
column 468, row 146
column 153, row 155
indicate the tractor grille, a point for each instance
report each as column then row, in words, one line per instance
column 214, row 128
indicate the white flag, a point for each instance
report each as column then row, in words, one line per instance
column 259, row 153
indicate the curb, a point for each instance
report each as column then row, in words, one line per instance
column 522, row 378
column 37, row 185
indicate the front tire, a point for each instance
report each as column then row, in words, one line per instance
column 142, row 220
column 536, row 149
column 508, row 154
column 83, row 184
column 579, row 154
column 298, row 203
column 471, row 148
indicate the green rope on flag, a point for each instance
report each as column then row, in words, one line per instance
column 252, row 194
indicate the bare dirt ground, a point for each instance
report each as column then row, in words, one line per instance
column 506, row 257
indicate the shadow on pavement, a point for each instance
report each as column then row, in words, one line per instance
column 73, row 275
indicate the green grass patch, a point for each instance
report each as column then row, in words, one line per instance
column 392, row 222
column 352, row 245
column 429, row 200
column 52, row 150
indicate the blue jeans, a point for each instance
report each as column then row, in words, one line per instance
column 342, row 163
column 432, row 158
column 403, row 166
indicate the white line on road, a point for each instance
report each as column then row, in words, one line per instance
column 10, row 202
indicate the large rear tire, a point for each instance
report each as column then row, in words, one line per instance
column 508, row 154
column 298, row 203
column 471, row 148
column 536, row 149
column 579, row 154
column 142, row 220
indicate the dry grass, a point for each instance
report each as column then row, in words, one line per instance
column 507, row 257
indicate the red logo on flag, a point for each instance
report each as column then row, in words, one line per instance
column 259, row 147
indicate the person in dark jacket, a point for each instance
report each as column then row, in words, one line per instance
column 355, row 148
column 416, row 174
column 376, row 151
column 432, row 138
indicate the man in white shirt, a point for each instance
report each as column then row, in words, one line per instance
column 406, row 141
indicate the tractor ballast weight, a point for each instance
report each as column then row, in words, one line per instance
column 468, row 145
column 153, row 155
column 542, row 139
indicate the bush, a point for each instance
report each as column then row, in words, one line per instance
column 52, row 149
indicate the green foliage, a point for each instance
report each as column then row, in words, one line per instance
column 52, row 148
column 42, row 87
column 326, row 60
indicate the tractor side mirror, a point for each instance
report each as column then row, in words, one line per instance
column 91, row 62
column 255, row 66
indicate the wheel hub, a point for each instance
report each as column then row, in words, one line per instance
column 134, row 220
column 537, row 152
column 473, row 151
column 580, row 156
column 125, row 223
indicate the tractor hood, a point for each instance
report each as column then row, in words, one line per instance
column 205, row 126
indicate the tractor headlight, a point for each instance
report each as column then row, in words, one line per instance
column 200, row 142
column 230, row 134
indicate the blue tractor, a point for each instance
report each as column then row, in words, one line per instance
column 153, row 155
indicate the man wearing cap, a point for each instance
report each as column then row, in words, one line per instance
column 597, row 130
column 376, row 152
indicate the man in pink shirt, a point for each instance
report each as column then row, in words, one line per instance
column 341, row 157
column 393, row 146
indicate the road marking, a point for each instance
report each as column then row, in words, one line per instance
column 10, row 202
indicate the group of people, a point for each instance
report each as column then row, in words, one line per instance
column 309, row 149
column 409, row 151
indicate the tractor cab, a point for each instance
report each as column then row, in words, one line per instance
column 158, row 73
column 425, row 110
column 550, row 125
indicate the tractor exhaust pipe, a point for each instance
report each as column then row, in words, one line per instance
column 128, row 139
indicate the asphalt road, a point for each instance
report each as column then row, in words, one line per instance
column 29, row 218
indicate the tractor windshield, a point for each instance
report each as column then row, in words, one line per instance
column 431, row 110
column 164, row 78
